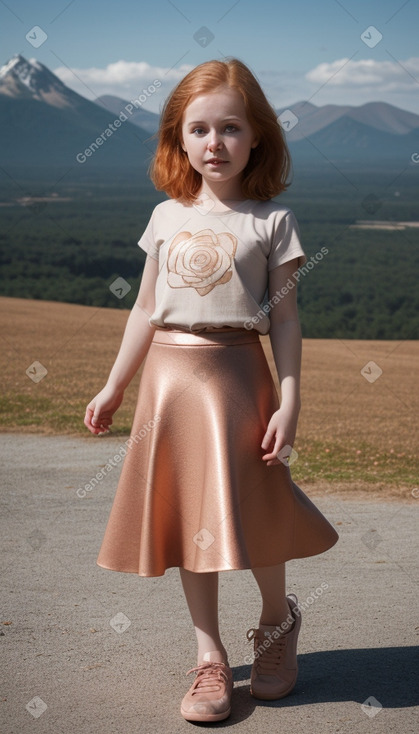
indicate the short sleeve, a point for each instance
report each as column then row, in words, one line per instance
column 148, row 240
column 286, row 243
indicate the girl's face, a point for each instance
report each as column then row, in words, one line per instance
column 217, row 139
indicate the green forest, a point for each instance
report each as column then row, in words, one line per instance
column 70, row 241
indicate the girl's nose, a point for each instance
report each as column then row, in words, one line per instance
column 214, row 142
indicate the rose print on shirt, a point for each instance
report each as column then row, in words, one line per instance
column 200, row 261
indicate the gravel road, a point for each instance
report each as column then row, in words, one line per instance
column 92, row 651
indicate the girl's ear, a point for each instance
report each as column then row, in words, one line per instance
column 255, row 143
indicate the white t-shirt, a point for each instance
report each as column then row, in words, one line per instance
column 213, row 267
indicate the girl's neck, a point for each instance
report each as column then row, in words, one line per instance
column 220, row 200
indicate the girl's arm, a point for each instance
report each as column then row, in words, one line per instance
column 285, row 337
column 134, row 347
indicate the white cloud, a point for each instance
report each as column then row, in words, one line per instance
column 367, row 74
column 125, row 79
column 343, row 81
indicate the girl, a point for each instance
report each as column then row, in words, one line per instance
column 205, row 485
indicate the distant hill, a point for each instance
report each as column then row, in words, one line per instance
column 347, row 140
column 143, row 118
column 43, row 123
column 374, row 133
column 377, row 115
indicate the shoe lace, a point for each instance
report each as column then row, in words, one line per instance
column 209, row 676
column 267, row 658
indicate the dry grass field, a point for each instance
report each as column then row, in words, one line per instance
column 358, row 425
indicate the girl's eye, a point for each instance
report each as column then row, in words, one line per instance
column 227, row 129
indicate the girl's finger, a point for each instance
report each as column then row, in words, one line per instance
column 280, row 445
column 97, row 418
column 267, row 439
column 269, row 457
column 88, row 419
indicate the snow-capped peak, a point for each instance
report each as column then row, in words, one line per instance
column 20, row 76
column 14, row 61
column 30, row 72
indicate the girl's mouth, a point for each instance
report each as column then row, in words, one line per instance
column 215, row 161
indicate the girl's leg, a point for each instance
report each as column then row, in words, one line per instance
column 201, row 592
column 271, row 582
column 274, row 669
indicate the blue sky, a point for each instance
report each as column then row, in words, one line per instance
column 300, row 49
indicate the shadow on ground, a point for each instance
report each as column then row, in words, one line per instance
column 388, row 674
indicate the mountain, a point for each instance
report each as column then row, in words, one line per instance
column 43, row 123
column 22, row 79
column 373, row 134
column 376, row 115
column 143, row 118
column 347, row 141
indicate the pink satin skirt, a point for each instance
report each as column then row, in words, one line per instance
column 194, row 491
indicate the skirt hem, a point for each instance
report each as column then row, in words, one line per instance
column 218, row 569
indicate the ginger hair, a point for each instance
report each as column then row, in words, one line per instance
column 267, row 170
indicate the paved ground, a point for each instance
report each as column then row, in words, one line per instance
column 92, row 651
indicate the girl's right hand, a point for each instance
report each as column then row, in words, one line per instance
column 100, row 410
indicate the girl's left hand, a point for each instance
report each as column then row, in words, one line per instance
column 280, row 433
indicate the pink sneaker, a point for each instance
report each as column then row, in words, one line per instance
column 275, row 669
column 209, row 697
